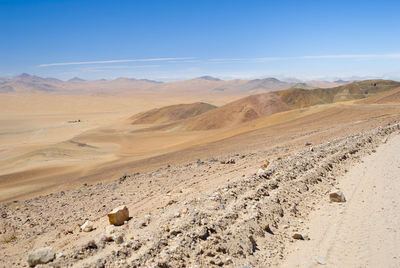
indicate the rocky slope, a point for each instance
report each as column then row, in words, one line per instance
column 247, row 220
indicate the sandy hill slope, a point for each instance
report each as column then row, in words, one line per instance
column 240, row 111
column 298, row 97
column 304, row 86
column 204, row 212
column 256, row 106
column 388, row 97
column 326, row 84
column 260, row 105
column 362, row 89
column 171, row 113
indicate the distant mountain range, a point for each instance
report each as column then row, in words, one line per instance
column 26, row 83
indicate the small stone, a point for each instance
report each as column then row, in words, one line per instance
column 106, row 238
column 300, row 236
column 308, row 143
column 87, row 226
column 41, row 256
column 203, row 233
column 91, row 244
column 261, row 173
column 118, row 215
column 119, row 239
column 337, row 196
column 321, row 260
column 229, row 161
column 273, row 184
column 147, row 218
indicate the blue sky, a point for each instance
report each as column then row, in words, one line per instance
column 170, row 40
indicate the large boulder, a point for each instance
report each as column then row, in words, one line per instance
column 119, row 215
column 337, row 196
column 41, row 256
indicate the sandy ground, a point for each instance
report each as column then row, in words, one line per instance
column 247, row 219
column 38, row 149
column 364, row 231
column 62, row 155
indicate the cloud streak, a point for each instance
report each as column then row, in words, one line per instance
column 344, row 56
column 221, row 60
column 113, row 61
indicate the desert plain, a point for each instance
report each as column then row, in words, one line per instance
column 214, row 173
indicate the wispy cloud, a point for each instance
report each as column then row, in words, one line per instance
column 344, row 56
column 114, row 61
column 113, row 67
column 221, row 60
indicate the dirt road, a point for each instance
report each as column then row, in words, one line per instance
column 364, row 231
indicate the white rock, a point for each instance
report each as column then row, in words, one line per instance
column 105, row 238
column 110, row 229
column 321, row 260
column 41, row 256
column 87, row 226
column 337, row 196
column 261, row 173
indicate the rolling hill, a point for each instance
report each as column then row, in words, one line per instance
column 299, row 98
column 260, row 105
column 387, row 97
column 237, row 112
column 171, row 113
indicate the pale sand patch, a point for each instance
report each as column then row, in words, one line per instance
column 363, row 232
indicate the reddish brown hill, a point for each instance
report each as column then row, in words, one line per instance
column 299, row 98
column 256, row 106
column 240, row 111
column 171, row 113
column 388, row 97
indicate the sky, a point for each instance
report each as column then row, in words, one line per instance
column 173, row 40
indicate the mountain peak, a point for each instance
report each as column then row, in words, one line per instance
column 209, row 78
column 76, row 79
column 24, row 75
column 271, row 79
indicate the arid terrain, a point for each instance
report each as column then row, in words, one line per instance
column 214, row 173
